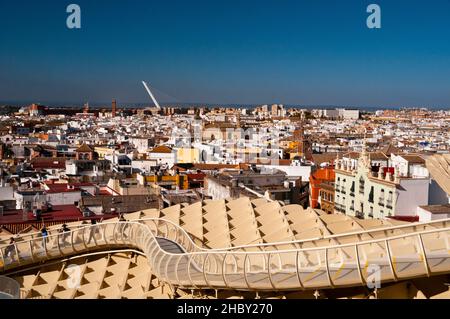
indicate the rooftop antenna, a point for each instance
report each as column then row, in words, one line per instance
column 151, row 95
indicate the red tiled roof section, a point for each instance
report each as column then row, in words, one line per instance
column 62, row 188
column 48, row 162
column 196, row 176
column 161, row 149
column 58, row 213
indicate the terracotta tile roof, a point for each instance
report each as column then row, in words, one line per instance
column 62, row 188
column 389, row 149
column 84, row 149
column 161, row 149
column 412, row 158
column 352, row 155
column 48, row 163
column 378, row 156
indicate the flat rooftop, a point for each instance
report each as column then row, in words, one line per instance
column 437, row 209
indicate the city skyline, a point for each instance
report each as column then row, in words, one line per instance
column 297, row 53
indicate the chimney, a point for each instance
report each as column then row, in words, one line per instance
column 114, row 108
column 396, row 177
column 388, row 175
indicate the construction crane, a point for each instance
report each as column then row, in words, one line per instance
column 151, row 95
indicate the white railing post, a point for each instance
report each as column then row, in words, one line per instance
column 176, row 270
column 104, row 226
column 31, row 250
column 71, row 240
column 425, row 261
column 388, row 251
column 58, row 243
column 358, row 264
column 166, row 269
column 83, row 238
column 114, row 232
column 167, row 231
column 245, row 271
column 17, row 253
column 297, row 266
column 121, row 231
column 189, row 271
column 269, row 271
column 176, row 235
column 327, row 266
column 204, row 271
column 223, row 270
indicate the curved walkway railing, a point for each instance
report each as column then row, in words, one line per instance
column 178, row 261
column 376, row 232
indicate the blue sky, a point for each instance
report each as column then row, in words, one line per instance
column 244, row 52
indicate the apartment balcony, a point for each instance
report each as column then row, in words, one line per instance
column 352, row 194
column 381, row 202
column 343, row 191
column 359, row 214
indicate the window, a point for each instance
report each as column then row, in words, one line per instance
column 371, row 195
column 371, row 212
column 352, row 189
column 381, row 201
column 389, row 200
column 361, row 185
column 360, row 213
